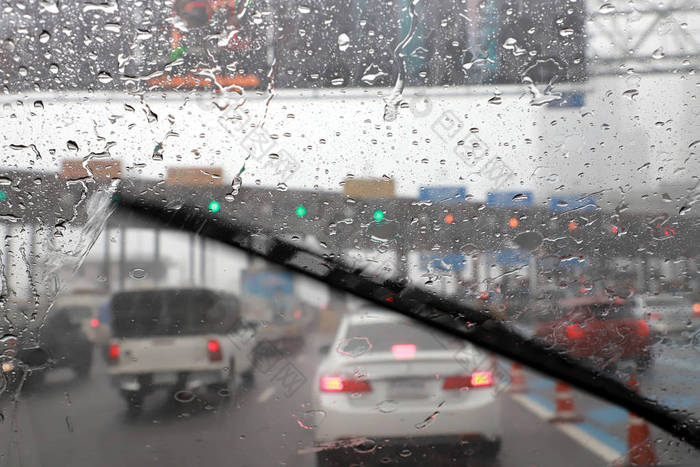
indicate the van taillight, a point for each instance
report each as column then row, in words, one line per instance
column 642, row 328
column 574, row 331
column 114, row 353
column 478, row 379
column 338, row 384
column 214, row 350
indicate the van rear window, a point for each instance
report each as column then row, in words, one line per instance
column 171, row 313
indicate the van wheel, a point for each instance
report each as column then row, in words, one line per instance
column 224, row 388
column 134, row 402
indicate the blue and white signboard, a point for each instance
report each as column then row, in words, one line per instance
column 436, row 262
column 442, row 194
column 510, row 199
column 569, row 99
column 571, row 203
column 510, row 257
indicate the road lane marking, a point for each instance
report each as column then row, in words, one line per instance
column 266, row 394
column 573, row 431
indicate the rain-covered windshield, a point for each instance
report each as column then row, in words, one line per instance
column 531, row 160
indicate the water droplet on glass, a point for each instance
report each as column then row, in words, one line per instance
column 281, row 187
column 44, row 37
column 113, row 27
column 23, row 71
column 53, row 68
column 354, row 346
column 236, row 185
column 337, row 81
column 566, row 32
column 343, row 42
column 387, row 406
column 137, row 273
column 366, row 446
column 658, row 54
column 606, row 8
column 72, row 145
column 631, row 93
column 5, row 181
column 104, row 77
column 310, row 419
column 303, row 9
column 496, row 100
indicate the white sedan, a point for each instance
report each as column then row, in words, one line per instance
column 390, row 386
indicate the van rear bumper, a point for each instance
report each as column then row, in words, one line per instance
column 146, row 382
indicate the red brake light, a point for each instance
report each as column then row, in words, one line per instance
column 214, row 350
column 574, row 331
column 696, row 308
column 94, row 322
column 478, row 379
column 481, row 379
column 114, row 353
column 404, row 351
column 338, row 384
column 642, row 328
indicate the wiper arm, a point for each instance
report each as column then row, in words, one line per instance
column 440, row 313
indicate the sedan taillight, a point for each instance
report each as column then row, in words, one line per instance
column 339, row 384
column 113, row 354
column 478, row 379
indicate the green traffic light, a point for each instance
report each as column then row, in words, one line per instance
column 3, row 196
column 214, row 206
column 301, row 211
column 378, row 215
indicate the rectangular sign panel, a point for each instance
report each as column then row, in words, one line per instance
column 510, row 199
column 442, row 194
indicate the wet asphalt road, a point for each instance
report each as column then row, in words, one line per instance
column 67, row 421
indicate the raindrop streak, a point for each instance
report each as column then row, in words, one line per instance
column 391, row 105
column 429, row 420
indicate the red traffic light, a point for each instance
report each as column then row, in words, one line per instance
column 513, row 222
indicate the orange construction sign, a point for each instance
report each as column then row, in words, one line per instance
column 194, row 176
column 98, row 169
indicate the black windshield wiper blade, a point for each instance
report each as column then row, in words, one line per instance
column 440, row 313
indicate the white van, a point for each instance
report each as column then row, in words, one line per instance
column 179, row 339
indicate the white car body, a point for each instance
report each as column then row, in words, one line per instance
column 665, row 313
column 407, row 399
column 185, row 361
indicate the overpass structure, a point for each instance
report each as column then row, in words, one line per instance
column 557, row 242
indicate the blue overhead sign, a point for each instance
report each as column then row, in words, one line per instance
column 435, row 262
column 510, row 257
column 571, row 203
column 510, row 199
column 569, row 99
column 442, row 193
